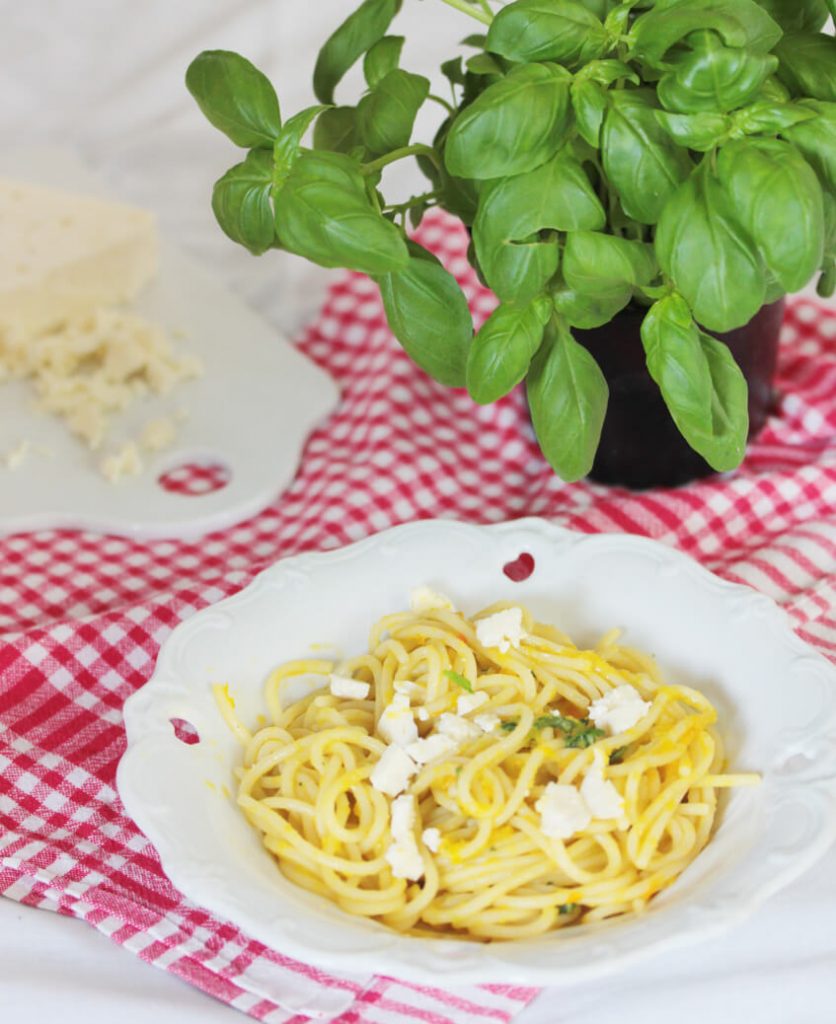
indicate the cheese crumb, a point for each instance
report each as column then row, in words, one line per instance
column 392, row 773
column 158, row 434
column 431, row 838
column 15, row 457
column 459, row 729
column 502, row 629
column 341, row 686
column 431, row 748
column 470, row 702
column 563, row 811
column 422, row 714
column 487, row 722
column 424, row 599
column 397, row 724
column 600, row 795
column 619, row 709
column 123, row 464
column 403, row 855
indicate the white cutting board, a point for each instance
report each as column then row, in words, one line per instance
column 251, row 411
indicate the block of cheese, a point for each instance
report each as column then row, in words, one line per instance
column 64, row 255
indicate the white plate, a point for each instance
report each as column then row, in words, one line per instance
column 775, row 695
column 251, row 412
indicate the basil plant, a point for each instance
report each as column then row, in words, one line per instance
column 678, row 154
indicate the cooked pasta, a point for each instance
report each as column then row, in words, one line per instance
column 482, row 778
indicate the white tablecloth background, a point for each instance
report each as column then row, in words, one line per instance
column 105, row 78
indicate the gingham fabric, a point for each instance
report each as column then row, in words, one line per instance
column 83, row 617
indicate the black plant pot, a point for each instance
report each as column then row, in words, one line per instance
column 640, row 445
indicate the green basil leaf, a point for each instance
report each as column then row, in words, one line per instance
column 729, row 408
column 241, row 202
column 429, row 315
column 605, row 266
column 476, row 40
column 808, row 65
column 589, row 310
column 484, row 64
column 568, row 398
column 382, row 58
column 701, row 247
column 453, row 71
column 816, row 139
column 773, row 91
column 386, row 115
column 739, row 22
column 797, row 15
column 641, row 161
column 324, row 214
column 336, row 130
column 534, row 30
column 600, row 8
column 289, row 141
column 777, row 198
column 235, row 97
column 515, row 125
column 512, row 212
column 766, row 117
column 700, row 132
column 700, row 382
column 357, row 34
column 605, row 72
column 589, row 101
column 503, row 349
column 714, row 77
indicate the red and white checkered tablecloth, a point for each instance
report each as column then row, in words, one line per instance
column 82, row 618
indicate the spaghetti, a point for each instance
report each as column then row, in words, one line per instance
column 482, row 778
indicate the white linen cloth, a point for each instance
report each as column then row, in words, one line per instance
column 106, row 78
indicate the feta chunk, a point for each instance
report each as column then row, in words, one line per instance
column 342, row 686
column 459, row 729
column 403, row 855
column 600, row 795
column 424, row 599
column 397, row 724
column 430, row 749
column 619, row 709
column 431, row 838
column 563, row 811
column 487, row 722
column 470, row 702
column 502, row 629
column 422, row 714
column 392, row 773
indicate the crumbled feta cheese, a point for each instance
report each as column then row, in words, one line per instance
column 403, row 855
column 431, row 838
column 459, row 729
column 424, row 599
column 563, row 811
column 393, row 771
column 600, row 795
column 502, row 629
column 125, row 463
column 15, row 457
column 342, row 686
column 431, row 748
column 470, row 702
column 397, row 724
column 619, row 709
column 422, row 714
column 158, row 434
column 407, row 687
column 487, row 722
